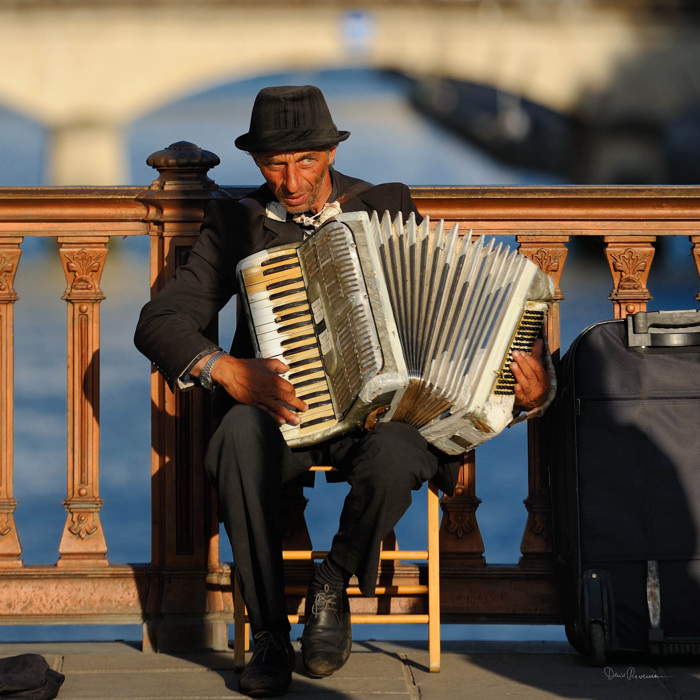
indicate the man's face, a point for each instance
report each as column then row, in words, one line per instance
column 299, row 179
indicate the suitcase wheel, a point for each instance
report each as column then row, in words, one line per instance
column 596, row 636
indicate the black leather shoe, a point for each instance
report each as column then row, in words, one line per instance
column 327, row 637
column 269, row 672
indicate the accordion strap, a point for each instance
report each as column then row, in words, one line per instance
column 356, row 189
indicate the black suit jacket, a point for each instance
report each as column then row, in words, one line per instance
column 171, row 328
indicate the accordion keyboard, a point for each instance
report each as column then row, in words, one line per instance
column 284, row 329
column 526, row 334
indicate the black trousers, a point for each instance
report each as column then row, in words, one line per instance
column 248, row 461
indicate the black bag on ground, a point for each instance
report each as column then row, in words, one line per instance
column 28, row 676
column 625, row 475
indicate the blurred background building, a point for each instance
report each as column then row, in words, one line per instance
column 584, row 91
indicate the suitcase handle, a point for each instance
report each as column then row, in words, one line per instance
column 663, row 329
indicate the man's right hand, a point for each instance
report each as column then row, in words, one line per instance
column 257, row 382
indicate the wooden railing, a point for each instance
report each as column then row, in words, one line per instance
column 183, row 595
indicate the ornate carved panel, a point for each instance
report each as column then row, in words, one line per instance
column 83, row 541
column 695, row 240
column 461, row 543
column 549, row 253
column 10, row 548
column 630, row 261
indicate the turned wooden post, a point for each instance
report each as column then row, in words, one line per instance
column 83, row 541
column 185, row 609
column 10, row 548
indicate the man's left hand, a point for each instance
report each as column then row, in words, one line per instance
column 532, row 382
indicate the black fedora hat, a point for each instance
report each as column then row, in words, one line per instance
column 290, row 118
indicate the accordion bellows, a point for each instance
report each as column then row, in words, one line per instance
column 414, row 322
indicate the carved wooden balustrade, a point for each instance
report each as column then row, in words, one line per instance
column 183, row 595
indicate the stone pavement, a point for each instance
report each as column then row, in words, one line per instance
column 375, row 671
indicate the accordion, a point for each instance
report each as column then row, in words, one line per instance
column 416, row 323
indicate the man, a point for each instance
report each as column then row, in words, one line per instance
column 293, row 140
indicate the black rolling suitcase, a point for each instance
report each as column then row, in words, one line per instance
column 625, row 476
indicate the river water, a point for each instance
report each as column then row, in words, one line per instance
column 389, row 141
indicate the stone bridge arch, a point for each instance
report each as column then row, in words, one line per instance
column 85, row 69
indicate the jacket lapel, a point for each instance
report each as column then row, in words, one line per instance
column 279, row 232
column 265, row 232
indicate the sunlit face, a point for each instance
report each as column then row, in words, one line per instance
column 299, row 179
